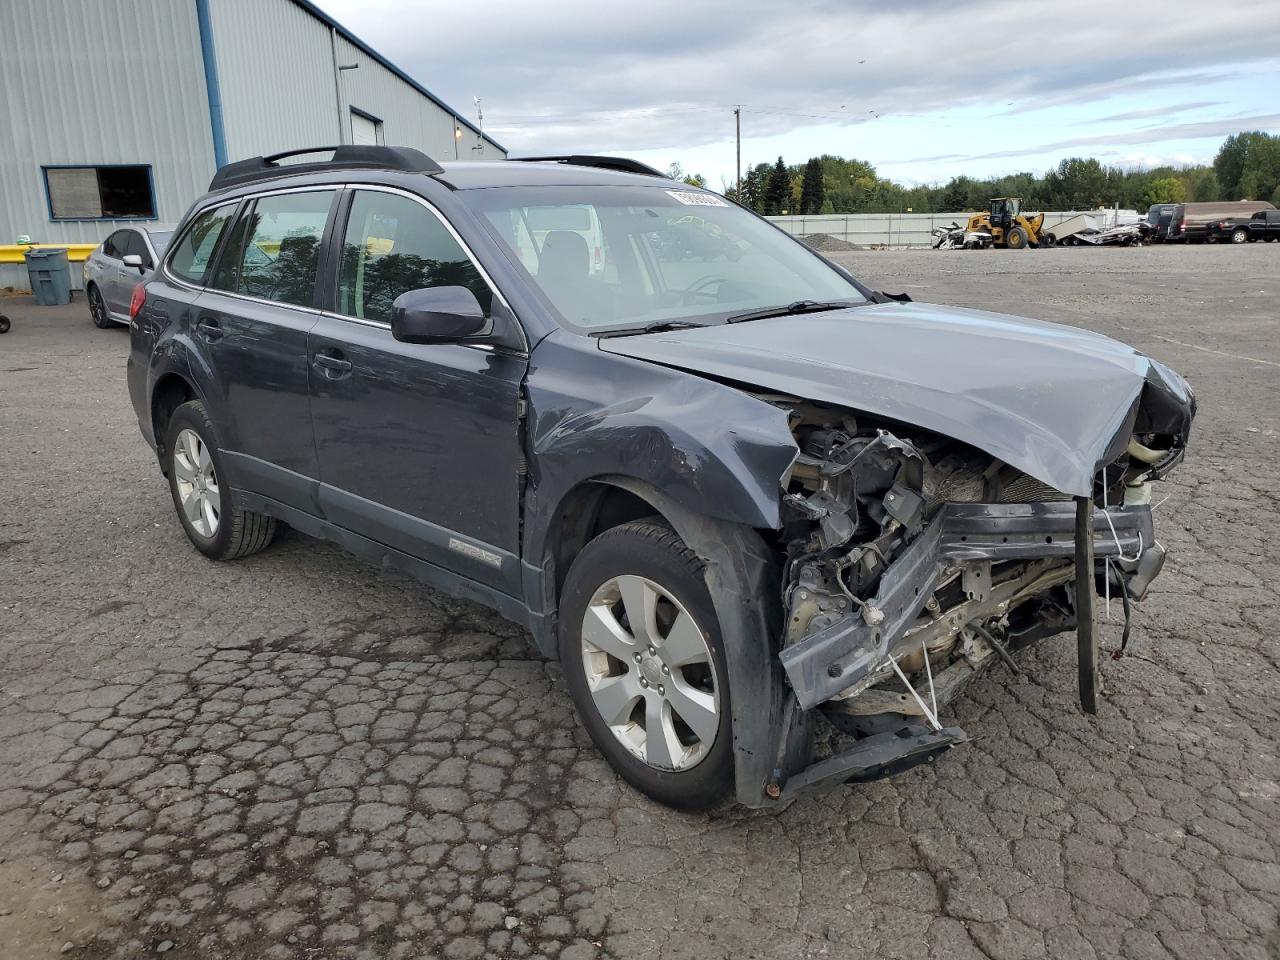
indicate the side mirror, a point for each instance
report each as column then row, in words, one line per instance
column 133, row 260
column 437, row 315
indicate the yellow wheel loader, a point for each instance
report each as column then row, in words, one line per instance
column 1009, row 226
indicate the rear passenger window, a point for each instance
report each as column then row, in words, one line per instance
column 191, row 254
column 111, row 246
column 282, row 247
column 392, row 245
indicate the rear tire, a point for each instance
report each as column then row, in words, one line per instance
column 214, row 522
column 4, row 324
column 98, row 309
column 1016, row 239
column 624, row 694
column 1048, row 240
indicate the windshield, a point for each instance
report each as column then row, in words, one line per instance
column 160, row 240
column 619, row 258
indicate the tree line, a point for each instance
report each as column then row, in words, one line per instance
column 1247, row 167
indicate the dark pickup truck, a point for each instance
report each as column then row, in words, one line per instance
column 1263, row 225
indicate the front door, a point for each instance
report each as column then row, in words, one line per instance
column 110, row 276
column 251, row 328
column 418, row 444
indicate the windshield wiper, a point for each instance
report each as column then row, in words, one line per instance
column 798, row 306
column 658, row 326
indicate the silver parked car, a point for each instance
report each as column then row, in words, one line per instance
column 124, row 259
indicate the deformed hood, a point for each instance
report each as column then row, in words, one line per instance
column 1056, row 402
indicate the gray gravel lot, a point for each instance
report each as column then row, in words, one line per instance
column 301, row 755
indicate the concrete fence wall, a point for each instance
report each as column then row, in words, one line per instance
column 888, row 229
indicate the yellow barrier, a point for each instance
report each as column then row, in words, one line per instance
column 13, row 252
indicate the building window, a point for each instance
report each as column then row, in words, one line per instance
column 100, row 193
column 366, row 130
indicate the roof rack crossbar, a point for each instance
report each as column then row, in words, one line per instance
column 405, row 159
column 622, row 164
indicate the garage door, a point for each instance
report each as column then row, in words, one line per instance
column 364, row 131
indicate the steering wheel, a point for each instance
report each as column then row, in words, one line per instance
column 699, row 290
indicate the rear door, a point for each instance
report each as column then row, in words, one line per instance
column 418, row 444
column 250, row 331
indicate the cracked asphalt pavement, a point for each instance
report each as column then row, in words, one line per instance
column 302, row 755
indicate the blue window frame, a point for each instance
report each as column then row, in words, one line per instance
column 109, row 191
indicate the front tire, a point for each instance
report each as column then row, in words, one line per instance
column 1016, row 239
column 207, row 509
column 1240, row 236
column 644, row 661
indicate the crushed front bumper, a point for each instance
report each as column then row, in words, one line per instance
column 842, row 660
column 838, row 657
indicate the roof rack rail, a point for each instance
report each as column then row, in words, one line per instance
column 405, row 159
column 622, row 164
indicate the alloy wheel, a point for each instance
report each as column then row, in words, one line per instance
column 97, row 309
column 650, row 673
column 197, row 483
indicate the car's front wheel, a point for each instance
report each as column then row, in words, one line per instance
column 216, row 525
column 1239, row 236
column 642, row 655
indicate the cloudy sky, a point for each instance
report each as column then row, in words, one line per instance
column 924, row 89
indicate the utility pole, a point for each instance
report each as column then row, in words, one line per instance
column 479, row 147
column 737, row 126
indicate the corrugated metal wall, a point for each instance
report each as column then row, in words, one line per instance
column 276, row 71
column 112, row 81
column 122, row 82
column 408, row 118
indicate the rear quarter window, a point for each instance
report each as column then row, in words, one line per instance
column 195, row 249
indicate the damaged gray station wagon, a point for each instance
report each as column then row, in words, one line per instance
column 769, row 520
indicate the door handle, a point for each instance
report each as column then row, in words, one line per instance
column 208, row 328
column 333, row 364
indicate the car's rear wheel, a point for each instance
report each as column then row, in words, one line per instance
column 98, row 309
column 642, row 655
column 215, row 524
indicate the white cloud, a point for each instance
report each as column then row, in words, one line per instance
column 588, row 75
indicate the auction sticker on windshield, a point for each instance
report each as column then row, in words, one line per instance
column 691, row 199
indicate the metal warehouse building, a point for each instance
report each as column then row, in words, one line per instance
column 118, row 110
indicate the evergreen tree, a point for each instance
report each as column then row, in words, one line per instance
column 753, row 187
column 777, row 190
column 812, row 190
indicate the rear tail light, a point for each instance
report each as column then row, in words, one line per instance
column 137, row 300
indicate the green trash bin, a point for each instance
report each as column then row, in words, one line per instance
column 50, row 277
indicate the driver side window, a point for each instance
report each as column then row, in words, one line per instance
column 392, row 245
